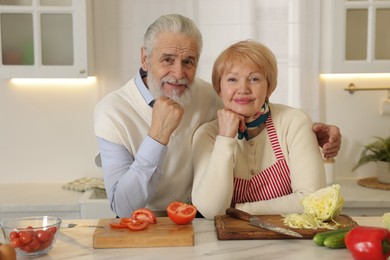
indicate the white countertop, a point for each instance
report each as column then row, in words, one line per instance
column 77, row 243
column 363, row 201
column 22, row 199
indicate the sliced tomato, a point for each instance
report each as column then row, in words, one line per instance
column 181, row 213
column 124, row 221
column 137, row 225
column 144, row 215
column 118, row 225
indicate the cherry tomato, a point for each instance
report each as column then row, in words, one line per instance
column 52, row 230
column 137, row 225
column 45, row 245
column 13, row 234
column 15, row 242
column 42, row 235
column 35, row 244
column 181, row 213
column 25, row 237
column 144, row 214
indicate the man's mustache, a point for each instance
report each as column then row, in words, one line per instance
column 171, row 80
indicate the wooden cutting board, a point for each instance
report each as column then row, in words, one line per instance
column 163, row 233
column 229, row 228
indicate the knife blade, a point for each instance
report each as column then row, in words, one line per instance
column 255, row 221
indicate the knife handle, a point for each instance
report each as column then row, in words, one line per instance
column 239, row 214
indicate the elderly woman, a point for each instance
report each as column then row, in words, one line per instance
column 259, row 157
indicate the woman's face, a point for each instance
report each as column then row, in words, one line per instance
column 243, row 89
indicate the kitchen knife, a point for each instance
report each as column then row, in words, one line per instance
column 255, row 221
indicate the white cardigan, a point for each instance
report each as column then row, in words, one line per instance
column 218, row 159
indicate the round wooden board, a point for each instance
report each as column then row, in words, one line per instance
column 372, row 182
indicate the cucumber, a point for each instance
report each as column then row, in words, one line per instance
column 320, row 238
column 335, row 240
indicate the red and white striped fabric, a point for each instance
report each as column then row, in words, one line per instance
column 271, row 183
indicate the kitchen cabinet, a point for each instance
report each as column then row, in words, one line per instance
column 45, row 38
column 355, row 35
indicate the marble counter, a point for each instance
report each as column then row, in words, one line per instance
column 76, row 243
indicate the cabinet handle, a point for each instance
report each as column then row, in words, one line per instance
column 352, row 88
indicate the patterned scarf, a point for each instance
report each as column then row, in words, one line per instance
column 255, row 121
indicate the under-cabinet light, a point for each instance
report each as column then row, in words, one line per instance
column 53, row 81
column 356, row 76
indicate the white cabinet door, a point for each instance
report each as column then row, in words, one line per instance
column 355, row 36
column 45, row 39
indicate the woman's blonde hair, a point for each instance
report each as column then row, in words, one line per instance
column 250, row 53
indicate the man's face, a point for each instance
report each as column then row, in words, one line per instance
column 172, row 65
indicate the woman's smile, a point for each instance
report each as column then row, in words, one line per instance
column 243, row 101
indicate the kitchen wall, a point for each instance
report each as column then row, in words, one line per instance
column 47, row 132
column 358, row 117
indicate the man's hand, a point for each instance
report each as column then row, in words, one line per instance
column 166, row 117
column 329, row 138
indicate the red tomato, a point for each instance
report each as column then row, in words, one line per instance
column 52, row 230
column 181, row 213
column 144, row 214
column 117, row 225
column 137, row 225
column 42, row 235
column 35, row 244
column 13, row 235
column 25, row 237
column 45, row 245
column 124, row 221
column 15, row 242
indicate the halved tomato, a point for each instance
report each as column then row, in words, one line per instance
column 136, row 224
column 145, row 215
column 181, row 213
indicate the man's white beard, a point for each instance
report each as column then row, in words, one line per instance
column 155, row 87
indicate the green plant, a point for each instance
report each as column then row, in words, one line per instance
column 376, row 151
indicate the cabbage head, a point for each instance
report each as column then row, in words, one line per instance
column 324, row 204
column 320, row 208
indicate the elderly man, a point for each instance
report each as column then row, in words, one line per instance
column 145, row 128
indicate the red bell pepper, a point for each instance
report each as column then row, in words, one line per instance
column 371, row 243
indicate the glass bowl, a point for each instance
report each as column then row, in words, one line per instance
column 31, row 236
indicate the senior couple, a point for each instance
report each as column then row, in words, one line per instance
column 167, row 135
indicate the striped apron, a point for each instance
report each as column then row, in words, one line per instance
column 271, row 183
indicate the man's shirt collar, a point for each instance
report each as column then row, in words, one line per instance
column 149, row 99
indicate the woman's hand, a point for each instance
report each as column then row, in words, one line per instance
column 229, row 122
